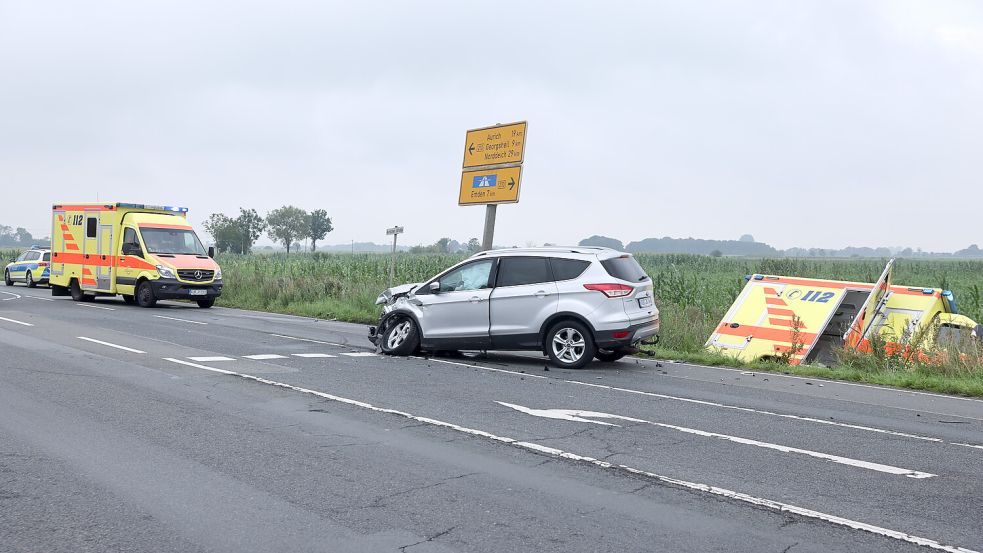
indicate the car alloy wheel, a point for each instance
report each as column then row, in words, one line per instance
column 398, row 335
column 569, row 345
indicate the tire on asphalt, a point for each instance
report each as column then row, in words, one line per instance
column 205, row 304
column 29, row 279
column 76, row 292
column 609, row 355
column 401, row 337
column 570, row 345
column 6, row 278
column 145, row 294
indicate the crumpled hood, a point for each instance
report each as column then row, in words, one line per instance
column 388, row 294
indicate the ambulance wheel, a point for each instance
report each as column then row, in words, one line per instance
column 205, row 304
column 30, row 281
column 6, row 278
column 77, row 294
column 145, row 295
column 128, row 299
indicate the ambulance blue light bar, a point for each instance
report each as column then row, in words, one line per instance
column 159, row 207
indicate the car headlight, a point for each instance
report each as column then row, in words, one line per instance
column 165, row 272
column 218, row 274
column 381, row 300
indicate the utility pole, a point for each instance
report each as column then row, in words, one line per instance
column 394, row 231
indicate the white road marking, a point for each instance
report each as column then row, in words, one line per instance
column 700, row 402
column 15, row 322
column 117, row 346
column 38, row 298
column 264, row 356
column 182, row 320
column 312, row 355
column 737, row 496
column 214, row 358
column 969, row 445
column 359, row 354
column 826, row 381
column 95, row 306
column 309, row 340
column 578, row 416
column 15, row 296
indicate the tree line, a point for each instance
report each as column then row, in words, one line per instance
column 19, row 237
column 286, row 225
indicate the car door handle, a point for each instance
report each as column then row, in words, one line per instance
column 475, row 299
column 541, row 294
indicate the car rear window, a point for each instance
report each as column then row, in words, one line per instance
column 515, row 271
column 566, row 269
column 47, row 256
column 625, row 268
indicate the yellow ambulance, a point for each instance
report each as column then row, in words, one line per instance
column 143, row 252
column 804, row 319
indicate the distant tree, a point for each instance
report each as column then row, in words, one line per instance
column 223, row 231
column 747, row 238
column 296, row 246
column 286, row 224
column 716, row 253
column 549, row 245
column 603, row 242
column 23, row 237
column 318, row 226
column 442, row 245
column 249, row 226
column 474, row 245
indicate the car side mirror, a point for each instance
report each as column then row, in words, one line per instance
column 132, row 249
column 211, row 251
column 434, row 287
column 979, row 332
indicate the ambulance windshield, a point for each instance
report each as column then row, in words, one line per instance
column 172, row 241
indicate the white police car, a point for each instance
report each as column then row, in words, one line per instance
column 31, row 268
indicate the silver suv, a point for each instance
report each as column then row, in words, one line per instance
column 573, row 304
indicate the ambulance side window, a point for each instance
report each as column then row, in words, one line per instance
column 131, row 246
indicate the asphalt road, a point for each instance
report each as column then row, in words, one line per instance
column 181, row 429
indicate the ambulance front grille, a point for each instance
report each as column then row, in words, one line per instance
column 195, row 275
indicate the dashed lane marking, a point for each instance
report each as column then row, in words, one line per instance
column 313, row 355
column 117, row 346
column 264, row 356
column 15, row 322
column 95, row 306
column 359, row 354
column 700, row 402
column 705, row 488
column 181, row 320
column 37, row 298
column 212, row 358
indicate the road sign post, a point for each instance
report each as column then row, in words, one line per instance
column 492, row 171
column 394, row 231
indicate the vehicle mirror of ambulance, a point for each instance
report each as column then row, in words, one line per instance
column 211, row 251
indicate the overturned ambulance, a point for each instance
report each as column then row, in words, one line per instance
column 773, row 314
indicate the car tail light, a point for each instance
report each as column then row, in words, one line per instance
column 620, row 334
column 611, row 290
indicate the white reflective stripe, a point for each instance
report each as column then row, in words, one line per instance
column 313, row 355
column 95, row 306
column 264, row 356
column 737, row 496
column 207, row 359
column 182, row 320
column 359, row 354
column 117, row 346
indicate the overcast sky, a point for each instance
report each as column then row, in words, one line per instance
column 806, row 123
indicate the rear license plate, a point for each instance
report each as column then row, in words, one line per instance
column 645, row 302
column 197, row 292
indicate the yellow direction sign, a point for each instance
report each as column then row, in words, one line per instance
column 490, row 186
column 495, row 145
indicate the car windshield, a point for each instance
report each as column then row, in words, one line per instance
column 173, row 241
